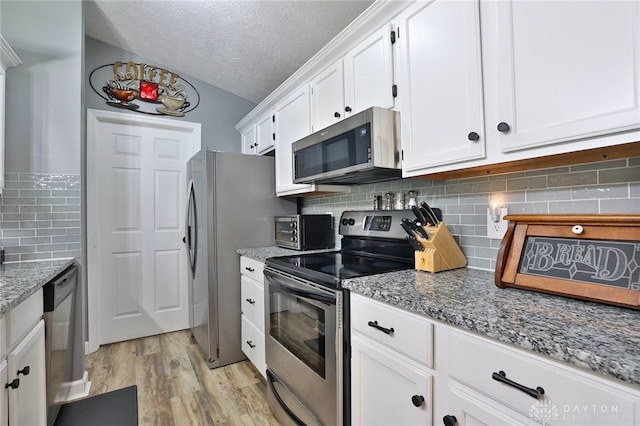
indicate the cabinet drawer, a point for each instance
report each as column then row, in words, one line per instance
column 253, row 346
column 412, row 335
column 252, row 303
column 23, row 317
column 573, row 396
column 252, row 268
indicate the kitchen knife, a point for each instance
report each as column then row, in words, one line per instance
column 419, row 215
column 413, row 242
column 427, row 216
column 408, row 229
column 418, row 230
column 431, row 214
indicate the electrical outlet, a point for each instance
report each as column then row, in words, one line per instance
column 497, row 229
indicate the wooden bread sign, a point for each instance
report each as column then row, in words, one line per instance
column 590, row 257
column 440, row 252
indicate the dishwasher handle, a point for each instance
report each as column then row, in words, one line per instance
column 59, row 288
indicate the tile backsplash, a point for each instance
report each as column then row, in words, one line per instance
column 603, row 187
column 40, row 216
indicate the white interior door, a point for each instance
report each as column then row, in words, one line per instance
column 136, row 201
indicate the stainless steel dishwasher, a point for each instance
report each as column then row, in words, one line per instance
column 59, row 318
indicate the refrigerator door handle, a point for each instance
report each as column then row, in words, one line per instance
column 191, row 236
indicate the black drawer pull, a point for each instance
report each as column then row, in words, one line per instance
column 417, row 400
column 250, row 343
column 249, row 269
column 374, row 324
column 533, row 393
column 25, row 371
column 251, row 301
column 15, row 384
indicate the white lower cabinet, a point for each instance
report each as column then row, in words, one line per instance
column 472, row 380
column 23, row 397
column 387, row 389
column 252, row 305
column 390, row 381
column 27, row 380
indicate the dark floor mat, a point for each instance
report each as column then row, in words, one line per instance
column 119, row 407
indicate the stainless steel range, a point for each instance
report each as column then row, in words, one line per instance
column 307, row 313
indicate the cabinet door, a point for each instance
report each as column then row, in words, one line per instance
column 566, row 70
column 248, row 137
column 293, row 122
column 471, row 410
column 384, row 386
column 368, row 73
column 327, row 97
column 265, row 137
column 28, row 400
column 440, row 88
column 4, row 414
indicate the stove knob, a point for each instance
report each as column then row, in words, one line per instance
column 352, row 222
column 344, row 222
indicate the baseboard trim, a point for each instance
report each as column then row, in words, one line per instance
column 79, row 389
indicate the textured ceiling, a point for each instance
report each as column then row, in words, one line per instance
column 247, row 47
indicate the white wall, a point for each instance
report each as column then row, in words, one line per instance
column 44, row 95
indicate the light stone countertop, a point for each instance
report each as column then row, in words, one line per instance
column 262, row 253
column 595, row 336
column 19, row 280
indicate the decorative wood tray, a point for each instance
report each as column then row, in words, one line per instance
column 591, row 257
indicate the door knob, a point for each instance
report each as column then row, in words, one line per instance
column 336, row 114
column 450, row 420
column 503, row 127
column 25, row 371
column 15, row 384
column 347, row 108
column 473, row 136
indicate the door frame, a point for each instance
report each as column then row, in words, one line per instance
column 94, row 118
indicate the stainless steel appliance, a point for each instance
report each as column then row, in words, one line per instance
column 304, row 231
column 59, row 319
column 231, row 204
column 363, row 148
column 307, row 316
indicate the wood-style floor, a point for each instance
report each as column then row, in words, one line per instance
column 175, row 386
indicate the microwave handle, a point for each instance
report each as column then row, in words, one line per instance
column 271, row 278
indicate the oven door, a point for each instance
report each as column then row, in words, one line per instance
column 303, row 341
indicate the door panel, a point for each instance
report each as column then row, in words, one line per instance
column 138, row 257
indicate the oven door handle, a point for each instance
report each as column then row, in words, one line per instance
column 272, row 379
column 271, row 277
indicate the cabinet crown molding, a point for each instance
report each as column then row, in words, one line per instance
column 8, row 57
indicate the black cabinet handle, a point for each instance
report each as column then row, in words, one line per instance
column 250, row 343
column 251, row 301
column 503, row 127
column 450, row 420
column 24, row 371
column 347, row 108
column 184, row 240
column 336, row 114
column 13, row 385
column 533, row 393
column 249, row 269
column 473, row 136
column 374, row 324
column 417, row 400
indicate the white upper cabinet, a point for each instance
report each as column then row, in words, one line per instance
column 248, row 137
column 265, row 136
column 361, row 79
column 440, row 84
column 368, row 73
column 8, row 59
column 565, row 70
column 327, row 97
column 293, row 122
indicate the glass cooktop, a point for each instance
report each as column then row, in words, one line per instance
column 331, row 267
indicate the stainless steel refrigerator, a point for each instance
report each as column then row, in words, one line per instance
column 231, row 204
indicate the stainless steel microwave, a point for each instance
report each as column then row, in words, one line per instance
column 363, row 148
column 304, row 231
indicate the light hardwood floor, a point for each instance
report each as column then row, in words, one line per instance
column 175, row 386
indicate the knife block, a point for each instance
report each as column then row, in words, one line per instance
column 440, row 251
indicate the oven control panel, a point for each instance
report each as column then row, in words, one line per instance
column 373, row 223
